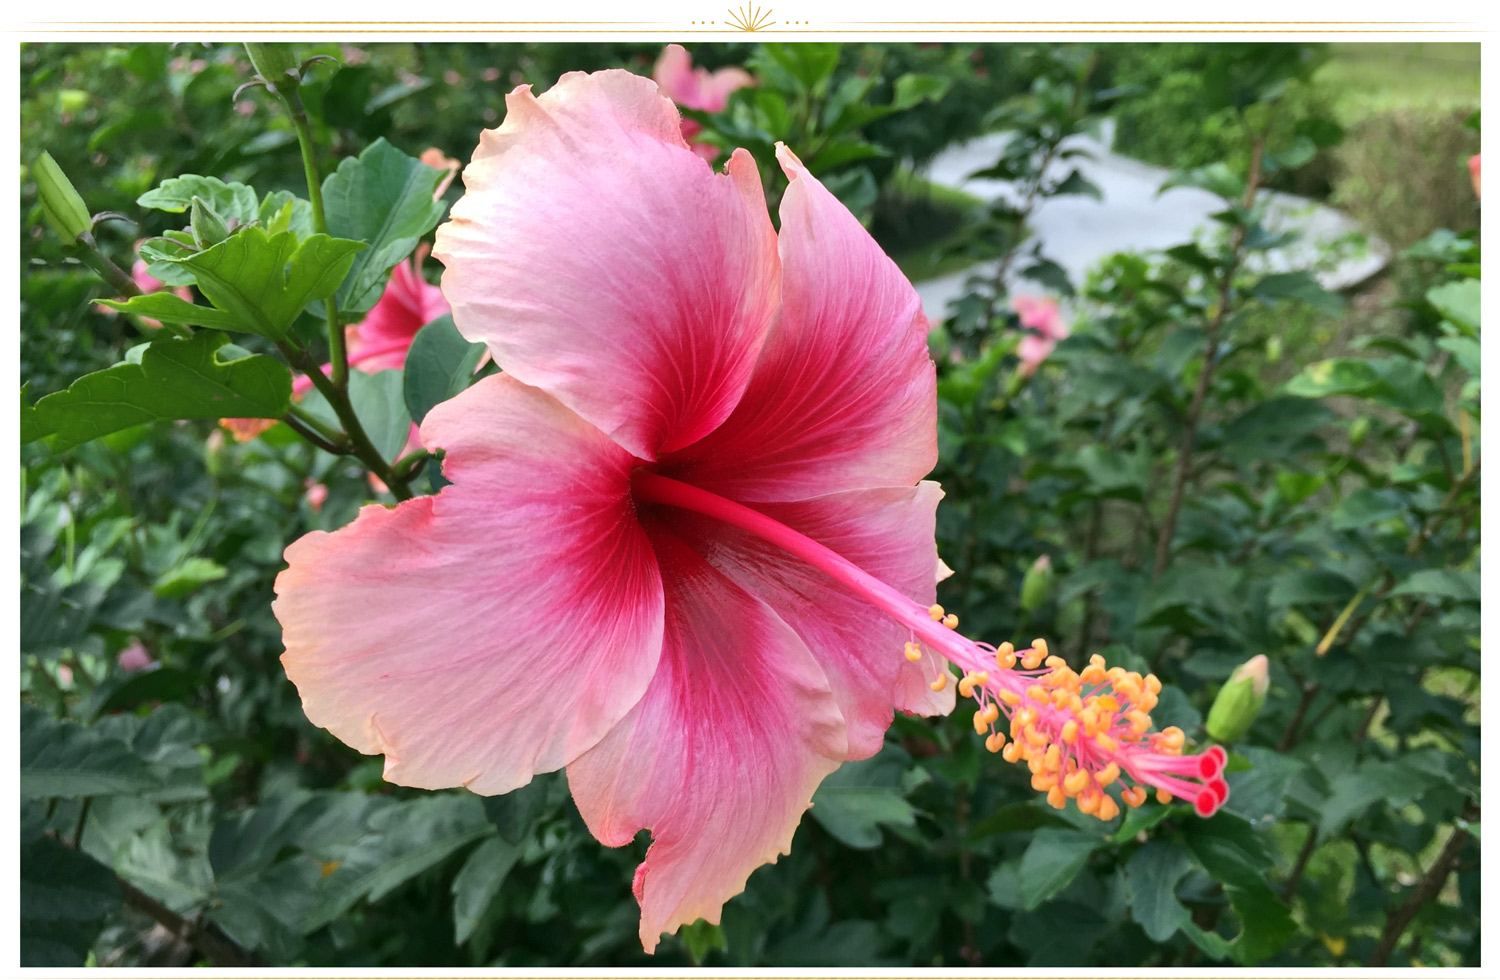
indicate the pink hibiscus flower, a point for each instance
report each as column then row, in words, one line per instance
column 686, row 534
column 696, row 88
column 1474, row 172
column 1041, row 315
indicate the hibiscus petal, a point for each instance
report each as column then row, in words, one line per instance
column 888, row 532
column 845, row 394
column 605, row 263
column 721, row 756
column 495, row 630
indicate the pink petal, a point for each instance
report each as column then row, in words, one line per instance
column 844, row 395
column 408, row 304
column 495, row 630
column 887, row 532
column 721, row 756
column 674, row 74
column 605, row 263
column 714, row 90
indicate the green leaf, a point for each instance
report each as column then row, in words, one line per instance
column 184, row 579
column 264, row 281
column 62, row 759
column 176, row 379
column 1052, row 860
column 405, row 840
column 858, row 797
column 1152, row 874
column 383, row 198
column 439, row 364
column 1216, row 178
column 170, row 308
column 1400, row 383
column 377, row 400
column 175, row 194
column 1300, row 287
column 912, row 89
column 1458, row 302
column 1441, row 583
column 478, row 882
column 65, row 895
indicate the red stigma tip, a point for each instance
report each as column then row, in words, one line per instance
column 1206, row 803
column 1220, row 789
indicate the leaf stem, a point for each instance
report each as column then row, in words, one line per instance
column 118, row 279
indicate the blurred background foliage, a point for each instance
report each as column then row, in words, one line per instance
column 1218, row 462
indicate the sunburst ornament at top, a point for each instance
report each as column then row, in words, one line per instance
column 749, row 18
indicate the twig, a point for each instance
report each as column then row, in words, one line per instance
column 1427, row 888
column 219, row 949
column 1200, row 391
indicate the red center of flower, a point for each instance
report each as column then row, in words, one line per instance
column 1079, row 733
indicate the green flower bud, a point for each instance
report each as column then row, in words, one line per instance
column 277, row 65
column 64, row 209
column 208, row 228
column 1037, row 585
column 1359, row 430
column 1239, row 700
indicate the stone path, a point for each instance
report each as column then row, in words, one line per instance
column 1076, row 232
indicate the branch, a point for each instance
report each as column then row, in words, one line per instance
column 219, row 949
column 1425, row 891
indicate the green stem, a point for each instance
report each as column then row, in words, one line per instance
column 311, row 421
column 338, row 352
column 360, row 445
column 118, row 279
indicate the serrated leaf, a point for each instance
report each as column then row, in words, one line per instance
column 176, row 379
column 1152, row 873
column 1441, row 583
column 1300, row 287
column 439, row 364
column 175, row 194
column 383, row 198
column 1052, row 860
column 478, row 882
column 405, row 840
column 65, row 895
column 265, row 281
column 859, row 797
column 62, row 759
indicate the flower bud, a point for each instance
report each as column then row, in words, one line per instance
column 1239, row 700
column 1037, row 585
column 63, row 207
column 208, row 228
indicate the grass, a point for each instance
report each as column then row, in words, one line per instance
column 1364, row 79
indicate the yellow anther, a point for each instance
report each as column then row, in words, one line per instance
column 1005, row 656
column 1032, row 659
column 1070, row 731
column 966, row 686
column 991, row 713
column 1108, row 809
column 1108, row 774
column 995, row 742
column 980, row 725
column 1009, row 697
column 913, row 652
column 1042, row 782
column 1106, row 743
column 1171, row 738
column 1097, row 660
column 1040, row 646
column 951, row 621
column 1089, row 802
column 1162, row 796
column 936, row 612
column 1037, row 692
column 1055, row 661
column 1074, row 784
column 1056, row 798
column 1107, row 703
column 1011, row 752
column 981, row 678
column 1134, row 796
column 1036, row 738
column 1139, row 721
column 1025, row 717
column 1092, row 674
column 1053, row 758
column 1152, row 684
column 941, row 682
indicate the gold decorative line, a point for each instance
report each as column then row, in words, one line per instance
column 750, row 19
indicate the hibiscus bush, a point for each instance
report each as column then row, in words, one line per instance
column 517, row 621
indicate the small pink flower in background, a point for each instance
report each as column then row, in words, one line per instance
column 64, row 676
column 1474, row 172
column 316, row 494
column 135, row 657
column 147, row 283
column 696, row 88
column 244, row 430
column 1041, row 315
column 687, row 539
